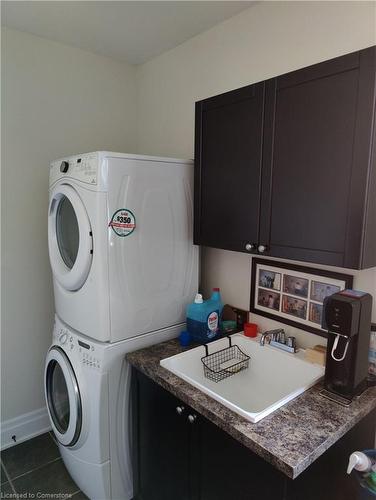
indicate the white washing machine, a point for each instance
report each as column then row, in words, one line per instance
column 120, row 232
column 87, row 392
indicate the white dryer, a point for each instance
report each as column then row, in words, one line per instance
column 87, row 392
column 120, row 232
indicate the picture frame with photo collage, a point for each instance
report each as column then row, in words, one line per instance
column 293, row 294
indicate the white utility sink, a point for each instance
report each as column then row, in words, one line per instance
column 273, row 378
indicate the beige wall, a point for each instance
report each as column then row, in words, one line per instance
column 268, row 39
column 57, row 100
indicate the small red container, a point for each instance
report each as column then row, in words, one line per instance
column 250, row 329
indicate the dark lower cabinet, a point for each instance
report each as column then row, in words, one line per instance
column 229, row 470
column 180, row 455
column 162, row 444
column 287, row 167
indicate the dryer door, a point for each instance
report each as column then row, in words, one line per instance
column 63, row 397
column 70, row 239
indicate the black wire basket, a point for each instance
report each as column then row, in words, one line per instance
column 224, row 363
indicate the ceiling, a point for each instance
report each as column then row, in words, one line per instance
column 133, row 32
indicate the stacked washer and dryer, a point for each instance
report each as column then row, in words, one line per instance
column 120, row 232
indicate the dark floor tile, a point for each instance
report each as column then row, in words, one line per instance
column 6, row 490
column 53, row 437
column 29, row 455
column 53, row 478
column 3, row 477
column 80, row 496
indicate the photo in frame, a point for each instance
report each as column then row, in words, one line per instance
column 293, row 294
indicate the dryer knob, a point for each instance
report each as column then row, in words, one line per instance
column 63, row 338
column 64, row 167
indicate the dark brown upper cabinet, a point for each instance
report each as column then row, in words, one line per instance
column 289, row 171
column 228, row 167
column 317, row 195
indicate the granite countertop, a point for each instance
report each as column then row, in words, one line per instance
column 290, row 439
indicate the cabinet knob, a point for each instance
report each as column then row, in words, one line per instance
column 192, row 418
column 261, row 248
column 179, row 410
column 250, row 246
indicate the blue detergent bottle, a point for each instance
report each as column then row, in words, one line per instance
column 217, row 303
column 202, row 319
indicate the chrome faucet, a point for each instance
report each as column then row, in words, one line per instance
column 266, row 335
column 277, row 338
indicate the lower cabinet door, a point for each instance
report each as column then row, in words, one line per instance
column 229, row 470
column 161, row 443
column 179, row 455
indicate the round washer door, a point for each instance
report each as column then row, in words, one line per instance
column 63, row 397
column 70, row 240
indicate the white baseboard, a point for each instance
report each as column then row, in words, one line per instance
column 21, row 428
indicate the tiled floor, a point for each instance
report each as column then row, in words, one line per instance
column 35, row 468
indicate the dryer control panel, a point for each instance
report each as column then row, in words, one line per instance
column 90, row 361
column 83, row 168
column 87, row 355
column 77, row 349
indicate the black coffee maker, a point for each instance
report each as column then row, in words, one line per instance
column 347, row 317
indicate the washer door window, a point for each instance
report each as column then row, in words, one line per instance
column 63, row 397
column 69, row 238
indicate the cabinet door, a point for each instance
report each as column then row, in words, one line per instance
column 161, row 447
column 316, row 157
column 228, row 147
column 229, row 470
